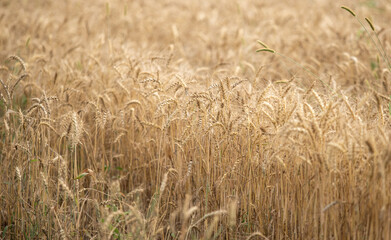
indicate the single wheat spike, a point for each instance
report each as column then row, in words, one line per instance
column 18, row 175
column 263, row 44
column 110, row 218
column 349, row 10
column 65, row 187
column 370, row 23
column 18, row 59
column 44, row 179
column 266, row 50
column 164, row 183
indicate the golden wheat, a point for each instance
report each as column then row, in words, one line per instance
column 159, row 120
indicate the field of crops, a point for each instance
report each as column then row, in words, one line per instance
column 160, row 119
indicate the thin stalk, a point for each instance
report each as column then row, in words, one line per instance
column 382, row 51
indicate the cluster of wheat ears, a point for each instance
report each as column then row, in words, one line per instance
column 159, row 120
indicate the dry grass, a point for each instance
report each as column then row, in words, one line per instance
column 159, row 120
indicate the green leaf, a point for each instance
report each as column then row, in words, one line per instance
column 27, row 42
column 82, row 175
column 24, row 102
column 5, row 230
column 373, row 65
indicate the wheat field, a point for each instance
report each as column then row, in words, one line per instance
column 160, row 120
